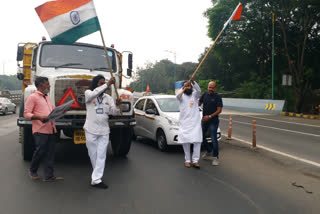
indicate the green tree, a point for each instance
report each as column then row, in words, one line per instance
column 160, row 76
column 244, row 51
column 10, row 82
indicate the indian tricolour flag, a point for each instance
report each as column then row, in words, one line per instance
column 68, row 20
column 235, row 15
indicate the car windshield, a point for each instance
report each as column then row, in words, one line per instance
column 168, row 104
column 76, row 56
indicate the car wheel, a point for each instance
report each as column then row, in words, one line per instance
column 162, row 141
column 14, row 110
column 5, row 111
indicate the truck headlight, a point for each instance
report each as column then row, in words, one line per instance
column 125, row 106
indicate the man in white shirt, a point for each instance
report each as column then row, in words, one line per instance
column 99, row 105
column 190, row 131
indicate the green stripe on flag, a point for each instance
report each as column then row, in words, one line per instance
column 72, row 35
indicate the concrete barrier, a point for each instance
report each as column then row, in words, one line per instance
column 254, row 105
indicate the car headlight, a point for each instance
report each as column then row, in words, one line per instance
column 125, row 106
column 172, row 122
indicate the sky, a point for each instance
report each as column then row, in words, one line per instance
column 153, row 30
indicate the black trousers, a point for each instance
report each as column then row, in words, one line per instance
column 44, row 150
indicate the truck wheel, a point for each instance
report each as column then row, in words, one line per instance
column 162, row 141
column 121, row 141
column 27, row 143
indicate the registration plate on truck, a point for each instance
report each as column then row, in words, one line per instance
column 79, row 137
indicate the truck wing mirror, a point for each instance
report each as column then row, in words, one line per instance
column 130, row 61
column 129, row 72
column 20, row 53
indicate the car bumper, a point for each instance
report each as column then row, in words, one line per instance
column 172, row 136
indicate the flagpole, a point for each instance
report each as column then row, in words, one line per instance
column 213, row 44
column 109, row 65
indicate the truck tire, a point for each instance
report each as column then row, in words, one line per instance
column 27, row 143
column 21, row 108
column 121, row 141
column 25, row 137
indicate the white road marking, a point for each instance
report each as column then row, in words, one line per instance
column 269, row 127
column 302, row 124
column 278, row 152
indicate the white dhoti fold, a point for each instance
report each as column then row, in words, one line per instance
column 97, row 149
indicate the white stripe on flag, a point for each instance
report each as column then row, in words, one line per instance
column 62, row 23
column 231, row 17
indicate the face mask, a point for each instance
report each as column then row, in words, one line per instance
column 46, row 91
column 188, row 91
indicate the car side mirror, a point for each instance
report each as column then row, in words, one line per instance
column 150, row 111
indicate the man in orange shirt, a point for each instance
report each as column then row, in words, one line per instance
column 37, row 108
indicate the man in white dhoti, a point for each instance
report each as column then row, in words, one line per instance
column 99, row 106
column 190, row 131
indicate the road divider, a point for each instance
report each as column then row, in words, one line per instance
column 254, row 105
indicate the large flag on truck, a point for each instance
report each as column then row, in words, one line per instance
column 68, row 20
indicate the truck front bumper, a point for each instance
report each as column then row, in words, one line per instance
column 78, row 123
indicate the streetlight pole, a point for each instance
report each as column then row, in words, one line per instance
column 175, row 64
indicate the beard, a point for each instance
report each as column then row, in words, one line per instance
column 188, row 91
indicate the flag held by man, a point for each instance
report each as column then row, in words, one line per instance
column 235, row 15
column 68, row 20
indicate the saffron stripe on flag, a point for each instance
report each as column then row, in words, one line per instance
column 237, row 15
column 52, row 9
column 72, row 35
column 86, row 12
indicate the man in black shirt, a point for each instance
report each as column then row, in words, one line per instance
column 212, row 107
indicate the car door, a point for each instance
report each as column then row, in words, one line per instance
column 151, row 119
column 139, row 115
column 10, row 105
column 6, row 104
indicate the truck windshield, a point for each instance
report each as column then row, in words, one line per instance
column 76, row 56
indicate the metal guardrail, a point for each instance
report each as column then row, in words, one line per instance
column 254, row 105
column 15, row 98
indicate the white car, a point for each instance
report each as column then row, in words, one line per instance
column 157, row 118
column 7, row 106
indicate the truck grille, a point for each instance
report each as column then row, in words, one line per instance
column 63, row 93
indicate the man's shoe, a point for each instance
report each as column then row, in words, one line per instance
column 100, row 185
column 34, row 175
column 187, row 164
column 53, row 178
column 206, row 155
column 196, row 165
column 215, row 161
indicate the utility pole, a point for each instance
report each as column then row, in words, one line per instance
column 272, row 55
